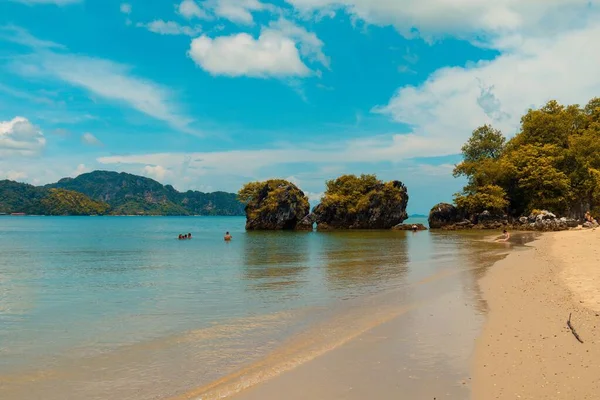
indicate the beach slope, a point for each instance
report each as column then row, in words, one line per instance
column 526, row 350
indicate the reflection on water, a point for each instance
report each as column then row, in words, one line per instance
column 100, row 308
column 364, row 258
column 275, row 260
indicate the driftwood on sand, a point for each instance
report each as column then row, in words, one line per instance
column 573, row 330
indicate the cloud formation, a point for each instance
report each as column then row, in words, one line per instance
column 453, row 101
column 275, row 53
column 19, row 137
column 126, row 8
column 189, row 9
column 170, row 28
column 90, row 140
column 107, row 79
column 476, row 20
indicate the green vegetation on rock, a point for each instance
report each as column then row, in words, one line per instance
column 361, row 202
column 553, row 163
column 275, row 204
column 67, row 202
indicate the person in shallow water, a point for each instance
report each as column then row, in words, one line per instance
column 414, row 228
column 189, row 235
column 180, row 237
column 227, row 237
column 505, row 236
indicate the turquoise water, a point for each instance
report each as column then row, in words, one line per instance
column 97, row 307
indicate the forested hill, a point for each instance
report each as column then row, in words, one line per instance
column 114, row 193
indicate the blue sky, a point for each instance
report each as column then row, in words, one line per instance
column 211, row 94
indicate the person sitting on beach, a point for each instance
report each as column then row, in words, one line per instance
column 227, row 237
column 505, row 236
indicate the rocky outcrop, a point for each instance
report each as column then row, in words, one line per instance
column 307, row 223
column 445, row 215
column 544, row 221
column 409, row 227
column 275, row 205
column 375, row 206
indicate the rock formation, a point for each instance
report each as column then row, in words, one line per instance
column 409, row 227
column 275, row 205
column 544, row 221
column 445, row 215
column 364, row 202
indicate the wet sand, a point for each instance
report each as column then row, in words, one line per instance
column 526, row 350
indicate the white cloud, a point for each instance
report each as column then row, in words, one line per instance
column 19, row 137
column 189, row 9
column 238, row 11
column 378, row 149
column 81, row 169
column 155, row 171
column 13, row 175
column 170, row 28
column 274, row 54
column 90, row 140
column 106, row 79
column 311, row 47
column 444, row 110
column 126, row 8
column 471, row 19
column 19, row 35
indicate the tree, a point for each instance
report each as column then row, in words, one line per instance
column 538, row 178
column 485, row 198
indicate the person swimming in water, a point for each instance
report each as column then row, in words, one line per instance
column 228, row 237
column 180, row 237
column 189, row 235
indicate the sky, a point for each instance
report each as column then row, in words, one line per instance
column 208, row 95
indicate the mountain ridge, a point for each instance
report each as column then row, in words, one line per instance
column 123, row 193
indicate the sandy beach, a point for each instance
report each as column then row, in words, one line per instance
column 526, row 350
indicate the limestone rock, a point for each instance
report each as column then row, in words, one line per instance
column 443, row 215
column 409, row 227
column 382, row 206
column 275, row 205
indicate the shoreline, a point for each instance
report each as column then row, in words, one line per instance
column 526, row 350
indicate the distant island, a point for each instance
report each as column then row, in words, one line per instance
column 112, row 193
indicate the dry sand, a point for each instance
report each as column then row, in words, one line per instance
column 526, row 350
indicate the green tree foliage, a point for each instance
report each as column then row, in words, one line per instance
column 352, row 194
column 489, row 197
column 552, row 163
column 67, row 202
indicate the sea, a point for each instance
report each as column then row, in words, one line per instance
column 118, row 308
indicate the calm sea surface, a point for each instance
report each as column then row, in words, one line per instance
column 117, row 308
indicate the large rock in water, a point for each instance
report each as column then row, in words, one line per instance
column 443, row 215
column 276, row 205
column 376, row 205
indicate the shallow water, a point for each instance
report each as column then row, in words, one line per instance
column 116, row 307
